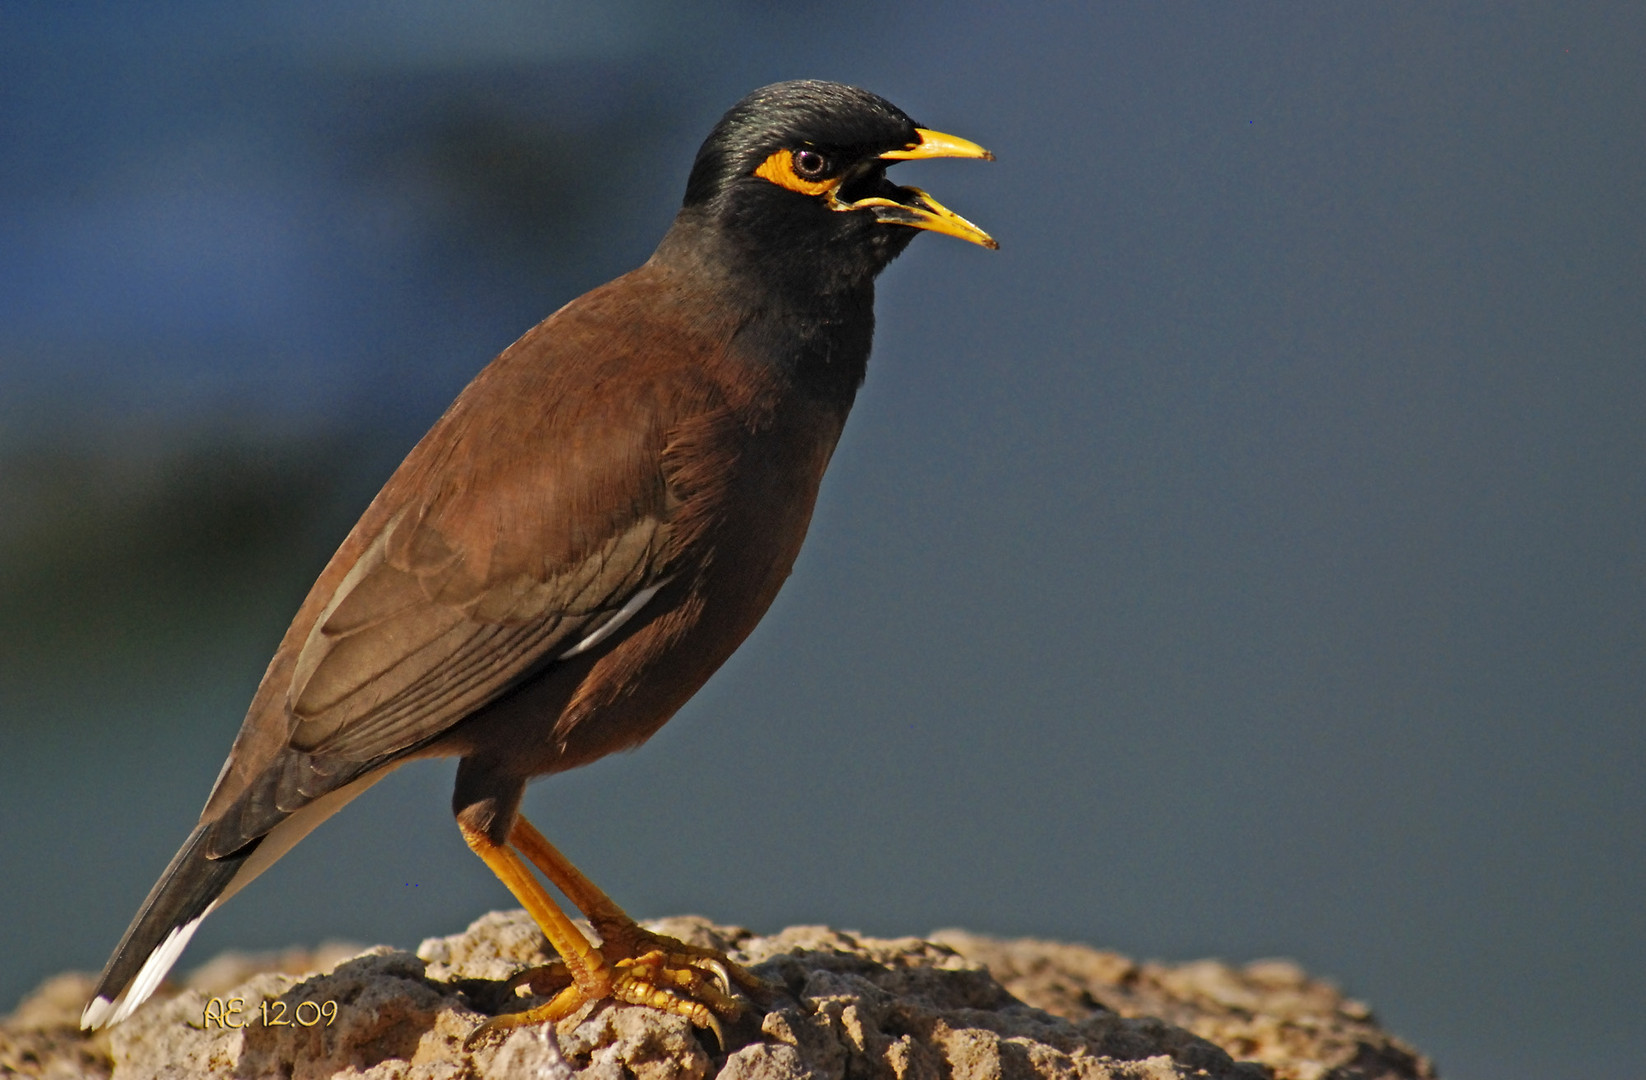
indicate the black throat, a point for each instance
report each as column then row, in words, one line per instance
column 810, row 319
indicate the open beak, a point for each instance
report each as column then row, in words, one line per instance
column 914, row 207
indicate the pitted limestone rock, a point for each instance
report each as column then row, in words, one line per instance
column 837, row 1006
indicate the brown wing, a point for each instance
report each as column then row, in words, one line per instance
column 530, row 515
column 414, row 639
column 506, row 539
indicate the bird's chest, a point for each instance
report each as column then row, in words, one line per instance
column 746, row 488
column 758, row 506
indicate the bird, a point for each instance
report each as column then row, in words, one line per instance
column 585, row 535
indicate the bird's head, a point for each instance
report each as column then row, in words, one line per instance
column 795, row 173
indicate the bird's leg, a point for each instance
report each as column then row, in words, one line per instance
column 649, row 968
column 591, row 976
column 622, row 939
column 631, row 965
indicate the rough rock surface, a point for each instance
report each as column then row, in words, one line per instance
column 838, row 1006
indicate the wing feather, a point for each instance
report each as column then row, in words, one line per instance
column 393, row 661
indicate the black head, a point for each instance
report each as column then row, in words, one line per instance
column 794, row 175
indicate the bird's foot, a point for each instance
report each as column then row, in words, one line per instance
column 622, row 939
column 640, row 968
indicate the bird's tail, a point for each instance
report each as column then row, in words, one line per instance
column 257, row 830
column 186, row 893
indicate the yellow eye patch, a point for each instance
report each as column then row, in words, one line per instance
column 779, row 169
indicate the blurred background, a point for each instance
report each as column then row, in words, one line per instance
column 1248, row 559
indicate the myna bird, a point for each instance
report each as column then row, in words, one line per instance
column 594, row 525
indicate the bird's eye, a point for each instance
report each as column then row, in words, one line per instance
column 809, row 164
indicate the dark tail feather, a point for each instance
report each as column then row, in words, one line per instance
column 182, row 897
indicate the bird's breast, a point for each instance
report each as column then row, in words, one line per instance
column 746, row 494
column 747, row 486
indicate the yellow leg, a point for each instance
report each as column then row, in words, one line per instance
column 588, row 968
column 618, row 932
column 567, row 878
column 631, row 964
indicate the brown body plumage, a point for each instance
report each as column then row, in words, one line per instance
column 509, row 533
column 589, row 531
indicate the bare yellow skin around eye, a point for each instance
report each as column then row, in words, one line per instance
column 779, row 169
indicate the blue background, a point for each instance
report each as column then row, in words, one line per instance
column 1247, row 559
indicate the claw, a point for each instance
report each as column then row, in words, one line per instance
column 545, row 981
column 563, row 1005
column 718, row 970
column 713, row 1025
column 504, row 1023
column 479, row 1034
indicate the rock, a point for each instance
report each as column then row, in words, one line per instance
column 1269, row 1011
column 837, row 1006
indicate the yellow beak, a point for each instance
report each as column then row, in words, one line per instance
column 924, row 212
column 919, row 209
column 933, row 144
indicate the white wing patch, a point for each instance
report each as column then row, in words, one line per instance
column 618, row 618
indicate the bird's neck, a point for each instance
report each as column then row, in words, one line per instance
column 821, row 350
column 797, row 275
column 817, row 334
